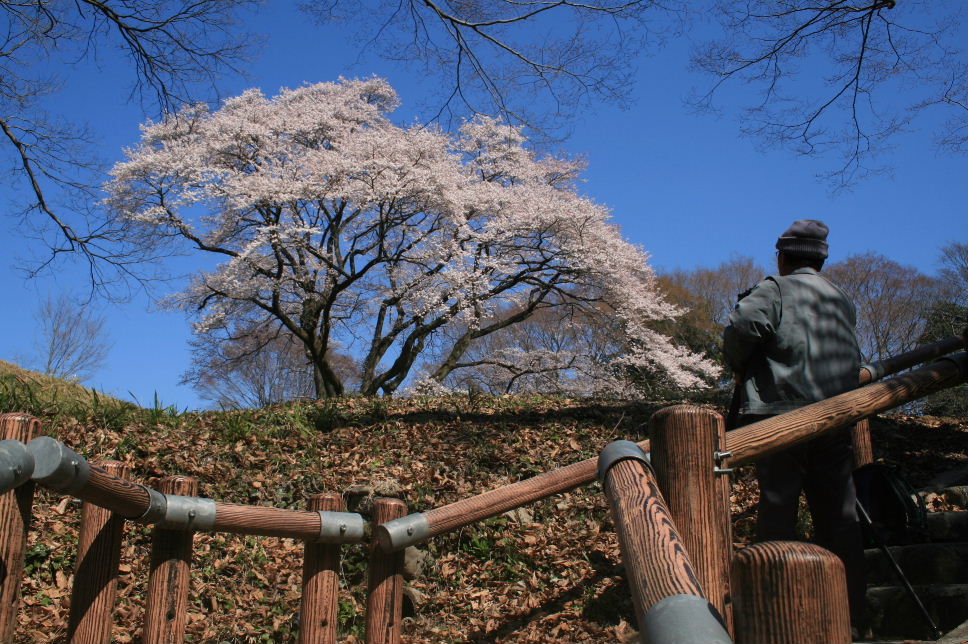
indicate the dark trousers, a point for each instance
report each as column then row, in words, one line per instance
column 822, row 469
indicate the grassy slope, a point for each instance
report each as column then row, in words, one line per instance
column 49, row 397
column 556, row 578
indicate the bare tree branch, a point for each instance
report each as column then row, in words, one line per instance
column 175, row 47
column 505, row 57
column 72, row 342
column 868, row 53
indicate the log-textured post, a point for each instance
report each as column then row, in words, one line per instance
column 15, row 513
column 787, row 592
column 166, row 609
column 685, row 441
column 384, row 606
column 860, row 438
column 320, row 584
column 96, row 575
column 668, row 598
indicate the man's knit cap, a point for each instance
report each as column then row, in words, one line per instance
column 805, row 238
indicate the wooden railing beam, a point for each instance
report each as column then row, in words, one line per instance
column 777, row 433
column 60, row 468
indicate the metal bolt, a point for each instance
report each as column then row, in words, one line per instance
column 342, row 528
column 410, row 531
column 191, row 514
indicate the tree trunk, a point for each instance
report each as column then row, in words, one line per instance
column 326, row 381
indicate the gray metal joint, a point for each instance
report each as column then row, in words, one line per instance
column 620, row 451
column 189, row 513
column 403, row 532
column 876, row 370
column 57, row 466
column 16, row 464
column 683, row 619
column 340, row 527
column 721, row 463
column 157, row 507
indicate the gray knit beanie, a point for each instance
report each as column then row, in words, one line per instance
column 805, row 238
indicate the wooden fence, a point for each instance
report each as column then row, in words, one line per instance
column 670, row 508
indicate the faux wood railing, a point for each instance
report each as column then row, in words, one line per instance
column 750, row 442
column 670, row 605
column 177, row 516
column 417, row 528
column 110, row 500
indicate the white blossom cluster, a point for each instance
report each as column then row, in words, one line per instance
column 338, row 223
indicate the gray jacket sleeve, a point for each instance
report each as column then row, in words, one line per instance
column 753, row 322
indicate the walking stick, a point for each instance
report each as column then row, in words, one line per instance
column 935, row 631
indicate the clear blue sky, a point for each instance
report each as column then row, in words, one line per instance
column 686, row 187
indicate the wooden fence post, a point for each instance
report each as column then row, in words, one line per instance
column 166, row 606
column 685, row 440
column 669, row 602
column 15, row 513
column 384, row 606
column 320, row 583
column 96, row 575
column 787, row 592
column 860, row 438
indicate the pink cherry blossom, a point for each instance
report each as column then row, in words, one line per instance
column 344, row 227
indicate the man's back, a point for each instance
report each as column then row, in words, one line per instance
column 793, row 339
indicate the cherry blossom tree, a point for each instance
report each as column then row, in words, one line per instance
column 341, row 227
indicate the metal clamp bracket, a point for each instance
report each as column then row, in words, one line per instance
column 684, row 618
column 399, row 533
column 157, row 507
column 875, row 369
column 720, row 458
column 619, row 451
column 58, row 466
column 16, row 464
column 188, row 513
column 340, row 527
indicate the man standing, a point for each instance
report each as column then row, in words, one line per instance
column 791, row 342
